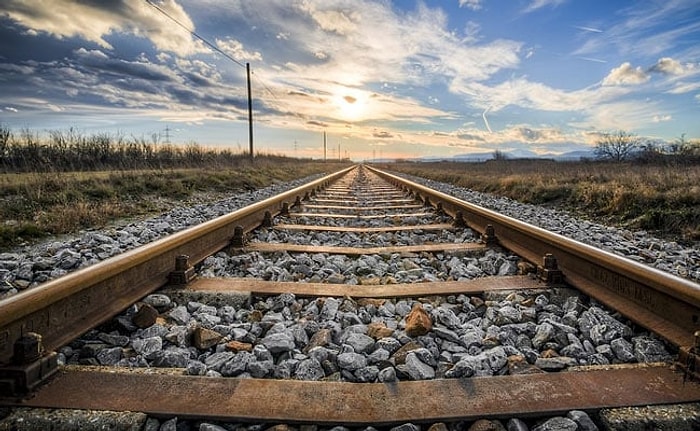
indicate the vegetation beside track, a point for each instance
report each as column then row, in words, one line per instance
column 71, row 181
column 35, row 205
column 663, row 199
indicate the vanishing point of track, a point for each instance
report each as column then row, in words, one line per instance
column 37, row 322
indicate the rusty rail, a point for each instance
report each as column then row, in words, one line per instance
column 661, row 302
column 62, row 309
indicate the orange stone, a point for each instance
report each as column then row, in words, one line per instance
column 518, row 365
column 378, row 330
column 255, row 316
column 239, row 346
column 377, row 302
column 203, row 338
column 418, row 321
column 549, row 353
column 145, row 316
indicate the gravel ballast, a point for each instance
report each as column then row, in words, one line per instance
column 360, row 340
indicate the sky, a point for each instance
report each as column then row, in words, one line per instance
column 389, row 79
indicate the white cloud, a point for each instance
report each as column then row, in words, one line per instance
column 684, row 87
column 471, row 4
column 539, row 4
column 625, row 74
column 93, row 21
column 643, row 30
column 236, row 50
column 668, row 66
column 661, row 118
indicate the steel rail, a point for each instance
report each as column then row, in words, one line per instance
column 62, row 309
column 659, row 301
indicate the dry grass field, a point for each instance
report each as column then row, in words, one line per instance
column 35, row 205
column 72, row 181
column 662, row 199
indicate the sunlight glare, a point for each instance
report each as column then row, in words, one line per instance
column 351, row 105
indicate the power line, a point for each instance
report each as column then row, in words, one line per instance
column 217, row 49
column 193, row 33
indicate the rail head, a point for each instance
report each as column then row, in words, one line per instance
column 599, row 273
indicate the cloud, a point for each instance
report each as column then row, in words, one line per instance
column 471, row 4
column 668, row 66
column 11, row 109
column 539, row 4
column 235, row 49
column 643, row 30
column 661, row 118
column 625, row 74
column 589, row 29
column 95, row 20
column 382, row 134
column 684, row 87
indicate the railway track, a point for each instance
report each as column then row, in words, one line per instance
column 357, row 299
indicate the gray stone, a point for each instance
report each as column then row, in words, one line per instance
column 196, row 368
column 172, row 358
column 544, row 333
column 387, row 375
column 417, row 369
column 367, row 374
column 557, row 424
column 406, row 427
column 217, row 360
column 179, row 315
column 623, row 350
column 360, row 342
column 148, row 347
column 556, row 363
column 236, row 365
column 259, row 369
column 330, row 308
column 351, row 361
column 279, row 342
column 109, row 356
column 648, row 349
column 496, row 358
column 389, row 344
column 158, row 301
column 516, row 424
column 446, row 334
column 446, row 317
column 583, row 421
column 114, row 340
column 310, row 369
column 169, row 425
column 425, row 356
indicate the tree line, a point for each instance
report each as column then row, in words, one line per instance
column 622, row 146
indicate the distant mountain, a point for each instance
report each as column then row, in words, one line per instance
column 515, row 154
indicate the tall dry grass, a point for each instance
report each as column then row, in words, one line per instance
column 73, row 182
column 662, row 198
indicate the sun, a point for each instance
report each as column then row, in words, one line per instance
column 352, row 105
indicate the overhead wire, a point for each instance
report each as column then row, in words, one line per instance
column 216, row 49
column 193, row 33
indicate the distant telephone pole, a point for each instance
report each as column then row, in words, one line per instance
column 250, row 112
column 325, row 148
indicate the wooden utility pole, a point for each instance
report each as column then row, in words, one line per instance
column 250, row 112
column 325, row 148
